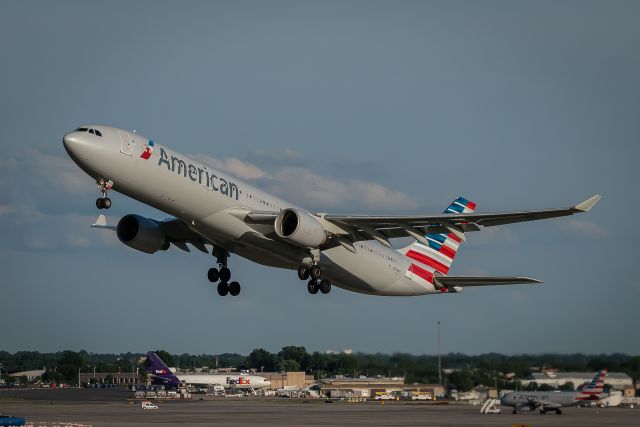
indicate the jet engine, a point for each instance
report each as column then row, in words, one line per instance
column 300, row 228
column 142, row 234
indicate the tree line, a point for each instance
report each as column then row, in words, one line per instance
column 460, row 370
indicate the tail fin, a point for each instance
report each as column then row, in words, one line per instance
column 437, row 257
column 159, row 371
column 596, row 386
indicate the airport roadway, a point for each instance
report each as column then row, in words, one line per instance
column 112, row 408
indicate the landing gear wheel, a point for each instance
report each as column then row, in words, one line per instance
column 225, row 274
column 542, row 412
column 315, row 272
column 514, row 412
column 312, row 287
column 223, row 289
column 106, row 203
column 325, row 286
column 558, row 412
column 303, row 273
column 213, row 275
column 234, row 289
column 99, row 203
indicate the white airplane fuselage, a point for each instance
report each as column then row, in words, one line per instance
column 226, row 381
column 212, row 202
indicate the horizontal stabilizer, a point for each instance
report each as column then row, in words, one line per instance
column 464, row 281
column 101, row 222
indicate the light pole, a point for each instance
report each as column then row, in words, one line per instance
column 79, row 370
column 439, row 358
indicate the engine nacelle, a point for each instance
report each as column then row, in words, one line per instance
column 141, row 233
column 300, row 228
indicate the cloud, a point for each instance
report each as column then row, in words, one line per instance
column 233, row 166
column 584, row 228
column 274, row 158
column 40, row 195
column 305, row 187
column 4, row 209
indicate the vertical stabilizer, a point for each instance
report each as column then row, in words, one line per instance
column 160, row 372
column 437, row 257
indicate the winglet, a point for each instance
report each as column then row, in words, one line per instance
column 588, row 204
column 101, row 222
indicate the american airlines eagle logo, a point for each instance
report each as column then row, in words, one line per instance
column 148, row 149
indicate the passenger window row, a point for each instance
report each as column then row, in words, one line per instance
column 92, row 131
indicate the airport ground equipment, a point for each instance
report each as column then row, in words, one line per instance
column 490, row 406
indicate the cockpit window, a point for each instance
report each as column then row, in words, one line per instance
column 92, row 131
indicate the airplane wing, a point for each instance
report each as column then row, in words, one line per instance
column 178, row 233
column 462, row 221
column 381, row 228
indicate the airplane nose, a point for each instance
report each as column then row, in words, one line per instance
column 70, row 141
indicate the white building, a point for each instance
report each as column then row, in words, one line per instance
column 617, row 380
column 31, row 375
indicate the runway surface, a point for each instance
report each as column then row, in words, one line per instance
column 112, row 408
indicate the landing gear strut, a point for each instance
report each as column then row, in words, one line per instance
column 223, row 274
column 104, row 185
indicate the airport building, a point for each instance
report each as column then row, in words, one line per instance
column 287, row 379
column 121, row 378
column 617, row 380
column 30, row 375
column 372, row 387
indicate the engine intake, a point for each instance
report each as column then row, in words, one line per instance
column 141, row 234
column 300, row 228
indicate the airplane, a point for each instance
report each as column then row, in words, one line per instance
column 524, row 401
column 161, row 374
column 210, row 208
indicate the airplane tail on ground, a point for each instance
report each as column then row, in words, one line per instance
column 597, row 383
column 435, row 254
column 595, row 389
column 160, row 372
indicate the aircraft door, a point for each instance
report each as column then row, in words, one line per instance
column 126, row 144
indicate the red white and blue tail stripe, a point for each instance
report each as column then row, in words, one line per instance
column 595, row 388
column 437, row 257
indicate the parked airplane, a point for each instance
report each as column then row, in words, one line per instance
column 212, row 208
column 161, row 374
column 545, row 401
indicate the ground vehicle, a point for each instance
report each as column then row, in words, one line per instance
column 6, row 420
column 149, row 405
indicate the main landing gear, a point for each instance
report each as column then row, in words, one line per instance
column 315, row 284
column 223, row 274
column 104, row 185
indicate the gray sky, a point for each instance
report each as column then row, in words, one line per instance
column 345, row 106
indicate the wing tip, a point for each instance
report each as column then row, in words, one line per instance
column 588, row 204
column 101, row 221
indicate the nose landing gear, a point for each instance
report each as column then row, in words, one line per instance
column 104, row 185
